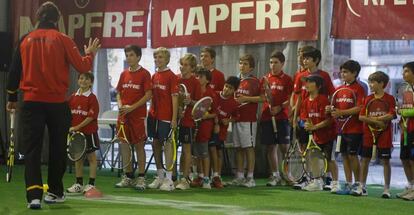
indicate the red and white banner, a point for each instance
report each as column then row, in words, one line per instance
column 215, row 22
column 116, row 23
column 373, row 19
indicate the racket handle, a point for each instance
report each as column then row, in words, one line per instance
column 374, row 152
column 12, row 119
column 274, row 124
column 338, row 143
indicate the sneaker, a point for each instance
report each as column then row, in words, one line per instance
column 140, row 183
column 346, row 190
column 315, row 185
column 409, row 196
column 235, row 182
column 75, row 188
column 167, row 185
column 273, row 181
column 125, row 182
column 327, row 183
column 206, row 183
column 183, row 184
column 386, row 195
column 249, row 183
column 51, row 198
column 404, row 192
column 198, row 182
column 34, row 204
column 216, row 182
column 303, row 182
column 335, row 187
column 356, row 189
column 364, row 191
column 156, row 184
column 88, row 187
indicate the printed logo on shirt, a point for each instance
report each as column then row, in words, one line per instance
column 313, row 114
column 378, row 112
column 160, row 86
column 344, row 99
column 221, row 112
column 275, row 86
column 131, row 85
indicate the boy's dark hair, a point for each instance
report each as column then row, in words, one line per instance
column 409, row 65
column 88, row 75
column 48, row 12
column 205, row 73
column 352, row 66
column 380, row 77
column 314, row 53
column 210, row 50
column 279, row 55
column 233, row 81
column 249, row 58
column 134, row 48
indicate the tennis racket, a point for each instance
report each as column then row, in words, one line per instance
column 76, row 145
column 249, row 86
column 119, row 154
column 182, row 95
column 314, row 160
column 170, row 150
column 405, row 101
column 10, row 153
column 375, row 108
column 200, row 108
column 342, row 99
column 269, row 99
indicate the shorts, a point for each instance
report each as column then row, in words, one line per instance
column 327, row 149
column 268, row 137
column 158, row 129
column 134, row 130
column 381, row 152
column 244, row 134
column 200, row 150
column 407, row 152
column 214, row 141
column 92, row 142
column 185, row 135
column 351, row 143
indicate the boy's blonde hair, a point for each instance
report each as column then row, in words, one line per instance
column 249, row 58
column 192, row 60
column 164, row 52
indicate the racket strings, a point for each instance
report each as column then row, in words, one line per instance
column 315, row 163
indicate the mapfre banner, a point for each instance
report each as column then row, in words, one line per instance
column 117, row 23
column 215, row 22
column 373, row 19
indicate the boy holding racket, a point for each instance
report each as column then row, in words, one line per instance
column 245, row 127
column 320, row 124
column 407, row 153
column 226, row 113
column 207, row 58
column 134, row 90
column 188, row 65
column 351, row 96
column 377, row 113
column 280, row 86
column 84, row 107
column 163, row 114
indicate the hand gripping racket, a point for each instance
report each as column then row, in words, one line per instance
column 376, row 108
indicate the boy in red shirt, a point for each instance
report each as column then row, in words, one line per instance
column 134, row 90
column 207, row 58
column 163, row 114
column 85, row 109
column 281, row 88
column 377, row 82
column 321, row 125
column 188, row 65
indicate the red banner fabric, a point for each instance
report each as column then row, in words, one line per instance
column 116, row 23
column 216, row 22
column 373, row 19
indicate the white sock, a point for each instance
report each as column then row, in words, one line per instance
column 276, row 174
column 168, row 174
column 250, row 174
column 201, row 175
column 240, row 175
column 215, row 174
column 160, row 173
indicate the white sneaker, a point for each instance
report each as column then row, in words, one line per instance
column 183, row 184
column 315, row 185
column 404, row 192
column 34, row 204
column 303, row 182
column 140, row 183
column 206, row 183
column 249, row 183
column 235, row 182
column 125, row 182
column 335, row 187
column 273, row 181
column 51, row 198
column 75, row 188
column 167, row 185
column 88, row 187
column 155, row 184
